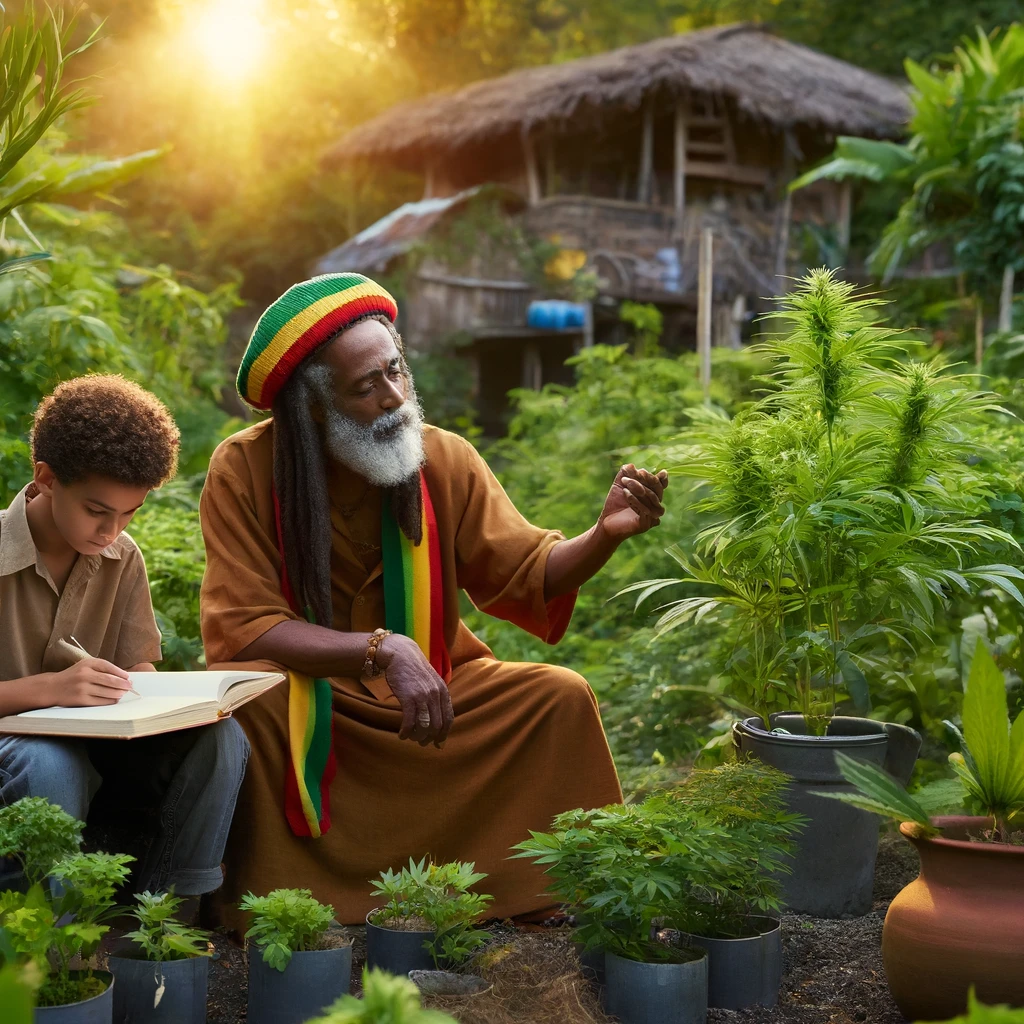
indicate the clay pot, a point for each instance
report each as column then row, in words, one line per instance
column 959, row 923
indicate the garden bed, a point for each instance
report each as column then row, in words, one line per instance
column 833, row 971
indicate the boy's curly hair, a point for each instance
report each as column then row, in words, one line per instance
column 104, row 425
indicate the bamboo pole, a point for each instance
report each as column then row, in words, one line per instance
column 643, row 188
column 705, row 278
column 979, row 333
column 1006, row 300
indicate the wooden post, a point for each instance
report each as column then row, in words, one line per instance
column 1006, row 300
column 705, row 277
column 782, row 248
column 643, row 188
column 532, row 176
column 550, row 172
column 588, row 324
column 533, row 368
column 679, row 175
column 845, row 210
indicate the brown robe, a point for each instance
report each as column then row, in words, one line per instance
column 527, row 741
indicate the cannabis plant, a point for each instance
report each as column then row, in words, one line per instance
column 52, row 931
column 843, row 509
column 286, row 921
column 386, row 1000
column 159, row 935
column 435, row 897
column 990, row 763
column 698, row 858
column 38, row 834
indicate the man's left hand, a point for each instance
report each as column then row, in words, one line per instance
column 633, row 504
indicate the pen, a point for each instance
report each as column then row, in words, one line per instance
column 80, row 652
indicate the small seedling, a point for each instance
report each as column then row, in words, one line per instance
column 159, row 935
column 287, row 921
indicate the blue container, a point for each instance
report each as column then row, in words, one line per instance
column 556, row 315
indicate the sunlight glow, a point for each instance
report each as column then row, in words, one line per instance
column 231, row 36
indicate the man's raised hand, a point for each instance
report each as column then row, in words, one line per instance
column 427, row 713
column 633, row 504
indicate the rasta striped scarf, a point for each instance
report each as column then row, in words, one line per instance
column 413, row 605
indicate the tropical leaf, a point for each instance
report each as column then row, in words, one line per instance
column 986, row 727
column 20, row 262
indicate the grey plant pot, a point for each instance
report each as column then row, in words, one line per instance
column 183, row 1000
column 396, row 951
column 305, row 988
column 97, row 1010
column 656, row 993
column 744, row 972
column 833, row 868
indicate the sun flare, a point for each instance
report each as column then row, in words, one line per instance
column 232, row 37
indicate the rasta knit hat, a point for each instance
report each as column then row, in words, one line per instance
column 301, row 320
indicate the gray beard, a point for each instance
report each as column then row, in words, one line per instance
column 387, row 451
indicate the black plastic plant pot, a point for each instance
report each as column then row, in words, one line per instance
column 95, row 1010
column 309, row 984
column 744, row 972
column 396, row 951
column 173, row 992
column 661, row 993
column 833, row 868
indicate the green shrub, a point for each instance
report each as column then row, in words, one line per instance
column 438, row 896
column 287, row 921
column 159, row 935
column 386, row 1000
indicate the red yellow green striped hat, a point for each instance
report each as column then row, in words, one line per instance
column 300, row 321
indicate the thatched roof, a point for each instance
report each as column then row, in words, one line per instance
column 768, row 78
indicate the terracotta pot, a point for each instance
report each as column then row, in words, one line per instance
column 959, row 923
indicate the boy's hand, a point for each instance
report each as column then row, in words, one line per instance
column 90, row 682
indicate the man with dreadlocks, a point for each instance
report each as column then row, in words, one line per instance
column 338, row 535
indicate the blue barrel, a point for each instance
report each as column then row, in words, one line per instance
column 556, row 315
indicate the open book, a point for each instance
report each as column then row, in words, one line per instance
column 166, row 702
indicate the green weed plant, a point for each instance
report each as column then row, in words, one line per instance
column 287, row 921
column 844, row 510
column 436, row 898
column 160, row 936
column 387, row 999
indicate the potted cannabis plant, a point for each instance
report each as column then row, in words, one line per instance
column 162, row 967
column 734, row 912
column 960, row 923
column 843, row 513
column 623, row 870
column 428, row 918
column 60, row 918
column 300, row 961
column 386, row 1000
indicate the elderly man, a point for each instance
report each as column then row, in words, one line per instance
column 338, row 535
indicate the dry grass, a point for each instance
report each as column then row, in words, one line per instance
column 536, row 978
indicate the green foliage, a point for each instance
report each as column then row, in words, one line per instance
column 38, row 834
column 990, row 763
column 843, row 509
column 438, row 896
column 286, row 921
column 159, row 935
column 647, row 323
column 697, row 858
column 386, row 1000
column 18, row 983
column 49, row 931
column 962, row 166
column 979, row 1013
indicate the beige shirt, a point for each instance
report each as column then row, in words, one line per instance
column 105, row 603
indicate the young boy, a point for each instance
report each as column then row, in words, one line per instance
column 70, row 576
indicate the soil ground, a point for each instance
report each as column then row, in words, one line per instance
column 832, row 975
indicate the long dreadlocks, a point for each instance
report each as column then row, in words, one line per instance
column 300, row 479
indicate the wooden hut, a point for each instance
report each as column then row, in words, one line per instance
column 625, row 160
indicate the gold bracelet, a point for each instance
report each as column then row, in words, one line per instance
column 370, row 667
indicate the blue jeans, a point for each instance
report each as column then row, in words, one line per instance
column 189, row 778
